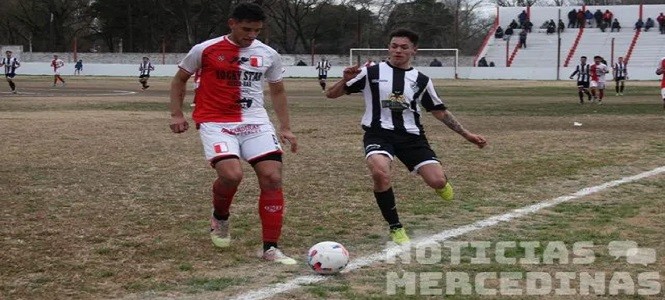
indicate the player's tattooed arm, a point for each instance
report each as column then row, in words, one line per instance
column 449, row 119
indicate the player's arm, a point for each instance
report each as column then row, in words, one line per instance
column 574, row 73
column 178, row 89
column 279, row 104
column 339, row 88
column 446, row 117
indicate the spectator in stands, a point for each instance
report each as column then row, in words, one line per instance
column 650, row 23
column 607, row 17
column 522, row 17
column 639, row 24
column 588, row 16
column 551, row 27
column 482, row 62
column 562, row 26
column 492, row 65
column 615, row 25
column 598, row 16
column 572, row 18
column 545, row 25
column 513, row 24
column 522, row 43
column 661, row 23
column 580, row 18
column 509, row 31
column 528, row 25
column 301, row 63
column 602, row 26
column 498, row 33
column 78, row 67
column 435, row 63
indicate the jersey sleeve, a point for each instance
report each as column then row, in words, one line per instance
column 276, row 69
column 357, row 84
column 430, row 99
column 192, row 61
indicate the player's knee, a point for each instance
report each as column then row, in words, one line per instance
column 380, row 177
column 436, row 183
column 271, row 180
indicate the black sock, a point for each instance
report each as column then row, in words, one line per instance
column 12, row 85
column 588, row 94
column 267, row 245
column 621, row 89
column 581, row 96
column 218, row 217
column 386, row 202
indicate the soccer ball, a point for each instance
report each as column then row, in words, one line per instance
column 327, row 258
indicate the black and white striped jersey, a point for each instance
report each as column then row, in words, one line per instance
column 582, row 71
column 620, row 70
column 10, row 64
column 323, row 66
column 145, row 68
column 392, row 96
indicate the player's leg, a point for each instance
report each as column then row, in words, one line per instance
column 260, row 147
column 580, row 92
column 593, row 86
column 322, row 82
column 616, row 86
column 417, row 155
column 601, row 92
column 621, row 88
column 662, row 95
column 223, row 152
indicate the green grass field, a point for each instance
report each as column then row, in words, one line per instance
column 99, row 200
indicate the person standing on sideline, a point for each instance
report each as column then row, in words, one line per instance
column 57, row 64
column 582, row 72
column 523, row 38
column 78, row 67
column 661, row 71
column 145, row 68
column 323, row 66
column 233, row 123
column 393, row 93
column 11, row 64
column 620, row 75
column 597, row 84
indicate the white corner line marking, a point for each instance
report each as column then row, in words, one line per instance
column 391, row 252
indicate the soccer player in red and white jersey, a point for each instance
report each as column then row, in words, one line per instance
column 598, row 70
column 57, row 64
column 661, row 71
column 233, row 123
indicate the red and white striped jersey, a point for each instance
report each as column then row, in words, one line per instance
column 598, row 72
column 57, row 64
column 231, row 80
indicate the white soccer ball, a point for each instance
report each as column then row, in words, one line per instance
column 327, row 258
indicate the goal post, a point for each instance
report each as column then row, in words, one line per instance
column 448, row 57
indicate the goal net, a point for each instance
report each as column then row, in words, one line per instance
column 428, row 57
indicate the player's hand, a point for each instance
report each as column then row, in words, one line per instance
column 476, row 139
column 659, row 71
column 571, row 77
column 179, row 124
column 287, row 137
column 350, row 72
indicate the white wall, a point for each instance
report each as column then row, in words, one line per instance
column 523, row 73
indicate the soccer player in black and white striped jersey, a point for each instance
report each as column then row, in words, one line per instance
column 11, row 64
column 323, row 66
column 393, row 92
column 145, row 69
column 582, row 72
column 620, row 75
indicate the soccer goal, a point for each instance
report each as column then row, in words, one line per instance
column 424, row 57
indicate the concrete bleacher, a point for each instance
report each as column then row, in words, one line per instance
column 542, row 48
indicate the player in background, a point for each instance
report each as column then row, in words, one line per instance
column 582, row 72
column 78, row 67
column 11, row 64
column 620, row 73
column 233, row 123
column 661, row 71
column 323, row 66
column 393, row 92
column 597, row 84
column 57, row 64
column 145, row 67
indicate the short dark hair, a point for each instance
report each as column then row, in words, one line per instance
column 583, row 56
column 248, row 12
column 597, row 57
column 402, row 32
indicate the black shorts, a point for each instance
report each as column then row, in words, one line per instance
column 620, row 78
column 584, row 84
column 412, row 150
column 323, row 77
column 10, row 75
column 144, row 76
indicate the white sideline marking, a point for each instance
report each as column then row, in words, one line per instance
column 390, row 252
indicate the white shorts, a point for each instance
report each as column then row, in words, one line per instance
column 597, row 84
column 662, row 93
column 246, row 141
column 56, row 72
